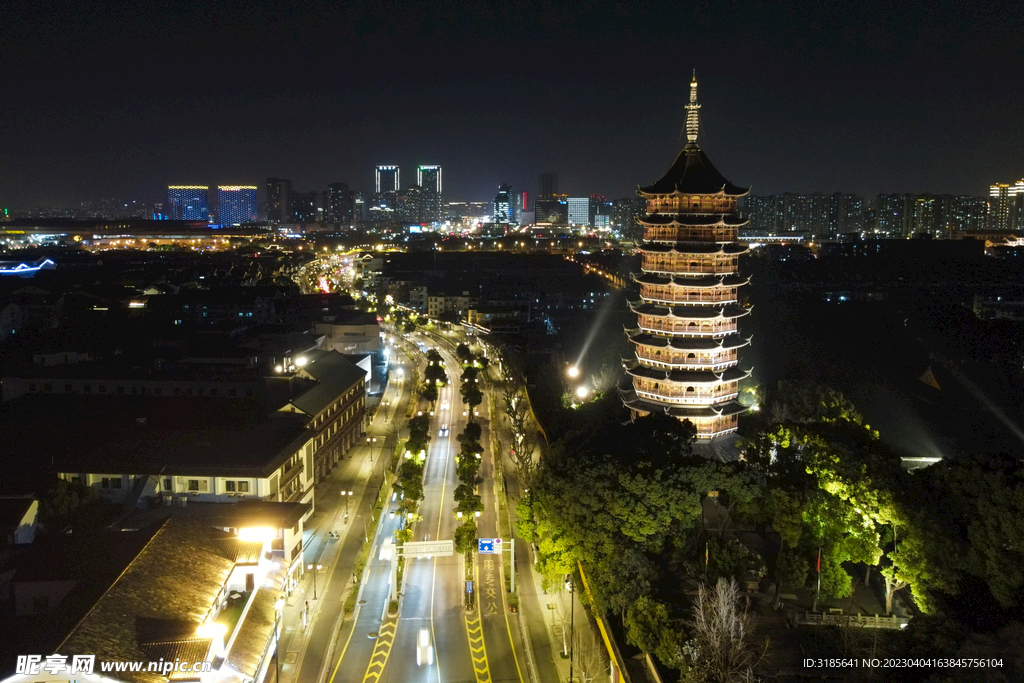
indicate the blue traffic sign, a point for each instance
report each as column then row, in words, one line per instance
column 489, row 546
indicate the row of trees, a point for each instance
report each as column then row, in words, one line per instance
column 627, row 501
column 468, row 459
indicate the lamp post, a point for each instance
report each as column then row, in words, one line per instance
column 572, row 620
column 346, row 495
column 314, row 567
column 370, row 443
column 278, row 606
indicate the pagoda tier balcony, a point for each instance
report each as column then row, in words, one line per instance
column 672, row 358
column 710, row 421
column 692, row 328
column 676, row 294
column 686, row 395
column 695, row 234
column 699, row 283
column 695, row 250
column 687, row 344
column 690, row 203
column 680, row 264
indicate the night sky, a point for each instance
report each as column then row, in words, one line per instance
column 107, row 99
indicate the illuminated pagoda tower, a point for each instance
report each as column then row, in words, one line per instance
column 686, row 338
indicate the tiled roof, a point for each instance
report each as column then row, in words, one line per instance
column 693, row 173
column 254, row 633
column 334, row 375
column 174, row 580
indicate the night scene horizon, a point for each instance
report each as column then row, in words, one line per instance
column 522, row 342
column 866, row 100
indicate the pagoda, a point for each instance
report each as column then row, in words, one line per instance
column 687, row 335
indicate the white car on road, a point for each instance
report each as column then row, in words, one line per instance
column 443, row 431
column 424, row 648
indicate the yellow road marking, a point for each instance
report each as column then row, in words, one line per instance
column 381, row 651
column 508, row 627
column 475, row 634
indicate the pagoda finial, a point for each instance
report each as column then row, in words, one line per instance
column 692, row 124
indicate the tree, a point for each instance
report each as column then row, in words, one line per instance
column 463, row 353
column 465, row 538
column 722, row 633
column 649, row 627
column 435, row 372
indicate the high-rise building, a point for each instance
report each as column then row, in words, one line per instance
column 503, row 210
column 387, row 178
column 687, row 334
column 338, row 204
column 236, row 204
column 578, row 210
column 385, row 197
column 522, row 204
column 429, row 180
column 626, row 213
column 548, row 185
column 304, row 208
column 1006, row 206
column 546, row 207
column 279, row 200
column 188, row 202
column 409, row 205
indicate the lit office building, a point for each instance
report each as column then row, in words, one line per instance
column 279, row 200
column 236, row 204
column 687, row 334
column 429, row 180
column 503, row 212
column 1006, row 206
column 339, row 204
column 188, row 202
column 578, row 210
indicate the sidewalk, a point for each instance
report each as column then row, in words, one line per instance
column 313, row 617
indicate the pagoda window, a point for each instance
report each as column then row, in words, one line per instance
column 690, row 355
column 689, row 390
column 657, row 385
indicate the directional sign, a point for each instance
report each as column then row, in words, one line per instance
column 489, row 546
column 429, row 549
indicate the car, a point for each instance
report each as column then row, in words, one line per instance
column 445, row 406
column 424, row 648
column 443, row 431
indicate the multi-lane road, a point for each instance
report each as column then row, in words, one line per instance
column 478, row 645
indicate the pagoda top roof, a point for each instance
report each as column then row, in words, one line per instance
column 693, row 173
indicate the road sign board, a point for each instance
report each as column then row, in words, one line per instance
column 489, row 546
column 428, row 548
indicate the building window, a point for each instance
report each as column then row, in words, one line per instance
column 229, row 486
column 243, row 487
column 200, row 391
column 67, row 388
column 213, row 392
column 47, row 387
column 87, row 388
column 157, row 391
column 111, row 482
column 196, row 485
column 177, row 391
column 168, row 484
column 103, row 388
column 232, row 392
column 135, row 390
column 120, row 390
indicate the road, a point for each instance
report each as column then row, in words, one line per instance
column 478, row 646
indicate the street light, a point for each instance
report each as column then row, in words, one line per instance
column 346, row 495
column 573, row 372
column 370, row 443
column 572, row 620
column 314, row 567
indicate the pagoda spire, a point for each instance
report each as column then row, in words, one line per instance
column 692, row 123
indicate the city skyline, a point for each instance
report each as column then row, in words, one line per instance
column 857, row 100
